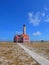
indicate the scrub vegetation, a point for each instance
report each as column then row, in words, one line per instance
column 12, row 54
column 41, row 48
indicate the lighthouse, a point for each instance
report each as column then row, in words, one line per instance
column 22, row 38
column 24, row 29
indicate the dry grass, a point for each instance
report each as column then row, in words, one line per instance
column 12, row 54
column 41, row 48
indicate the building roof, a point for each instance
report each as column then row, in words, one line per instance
column 25, row 35
column 22, row 35
column 17, row 37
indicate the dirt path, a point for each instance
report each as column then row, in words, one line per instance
column 37, row 57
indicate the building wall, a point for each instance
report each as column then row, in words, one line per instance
column 26, row 39
column 21, row 39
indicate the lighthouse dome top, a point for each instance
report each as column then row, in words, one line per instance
column 24, row 25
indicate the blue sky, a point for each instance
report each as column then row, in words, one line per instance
column 33, row 13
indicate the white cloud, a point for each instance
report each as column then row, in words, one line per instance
column 30, row 14
column 47, row 19
column 34, row 18
column 36, row 33
column 43, row 14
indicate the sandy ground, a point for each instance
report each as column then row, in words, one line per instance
column 41, row 48
column 41, row 60
column 12, row 54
